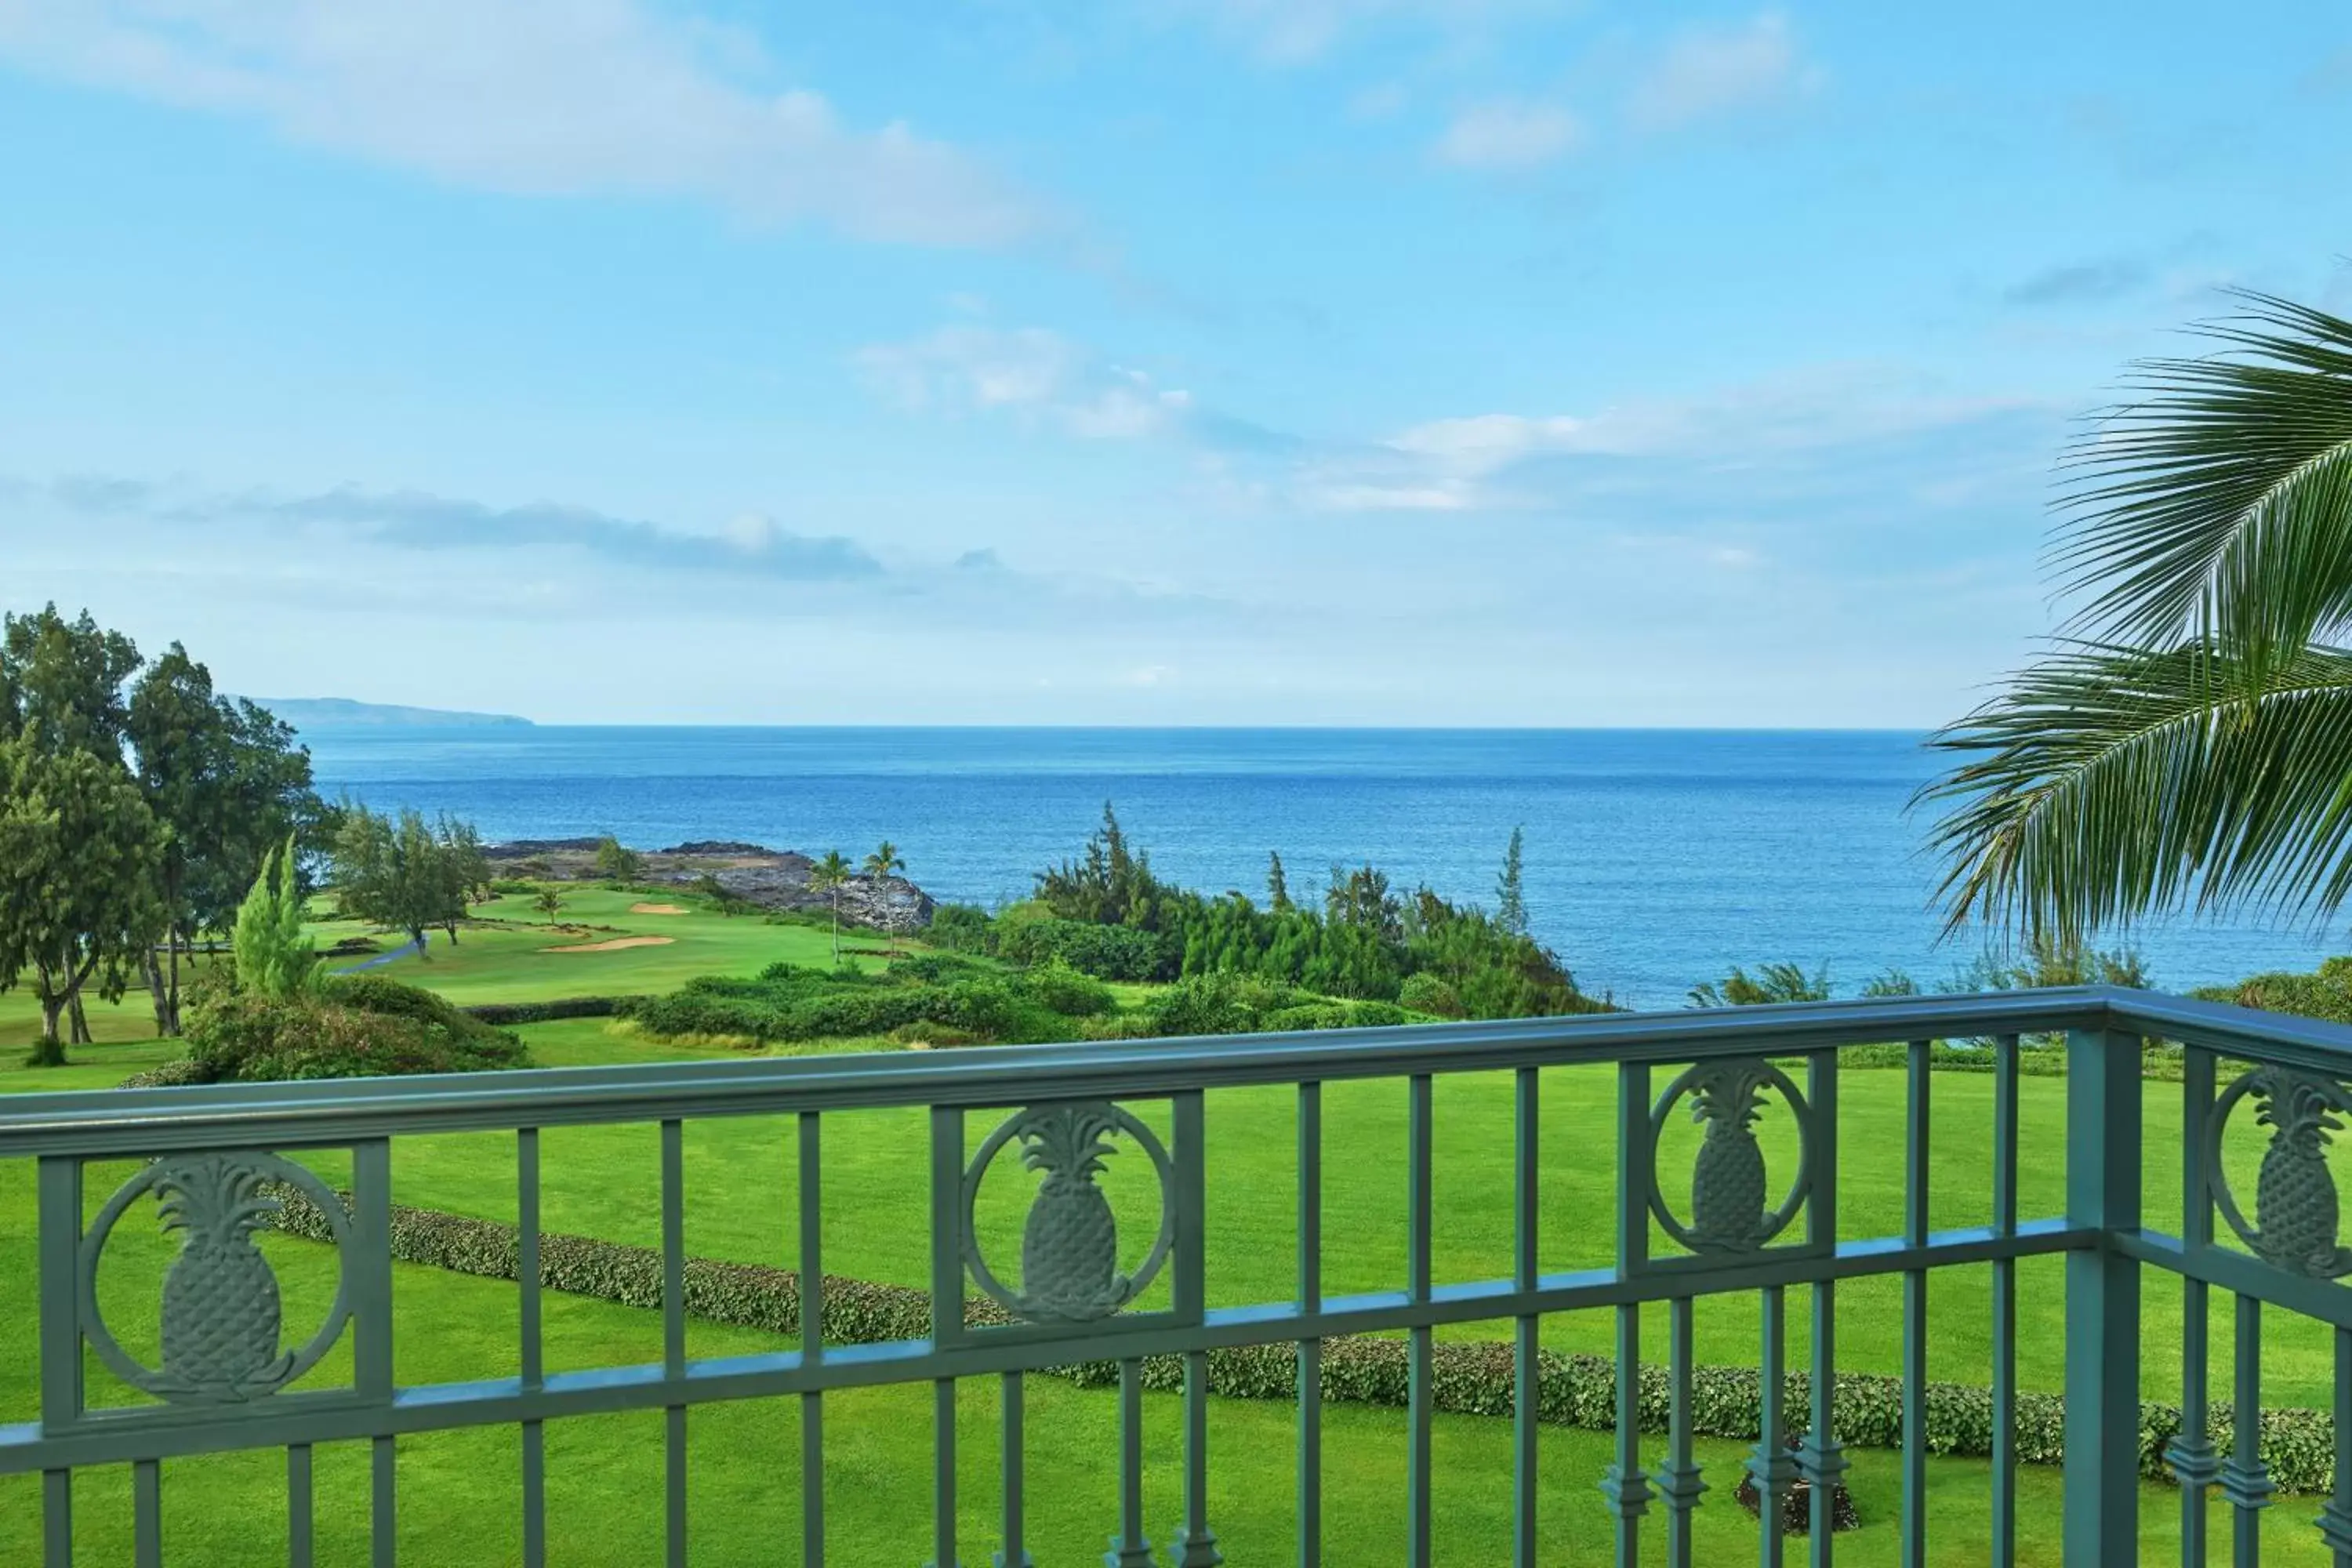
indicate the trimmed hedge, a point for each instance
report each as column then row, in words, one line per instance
column 506, row 1015
column 1472, row 1378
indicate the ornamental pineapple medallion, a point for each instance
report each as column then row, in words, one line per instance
column 2297, row 1214
column 1730, row 1206
column 1069, row 1248
column 1727, row 1178
column 222, row 1317
column 221, row 1311
column 1069, row 1243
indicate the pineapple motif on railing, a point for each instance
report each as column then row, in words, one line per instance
column 222, row 1318
column 2297, row 1214
column 1730, row 1207
column 1070, row 1245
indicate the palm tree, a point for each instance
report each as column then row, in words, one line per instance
column 828, row 876
column 2188, row 741
column 884, row 860
column 549, row 903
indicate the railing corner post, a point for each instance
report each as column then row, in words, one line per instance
column 2103, row 1326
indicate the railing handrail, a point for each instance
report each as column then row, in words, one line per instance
column 98, row 1121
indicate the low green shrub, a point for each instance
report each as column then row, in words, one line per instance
column 1055, row 986
column 1430, row 994
column 506, row 1015
column 1472, row 1378
column 513, row 886
column 960, row 928
column 360, row 1025
column 1105, row 952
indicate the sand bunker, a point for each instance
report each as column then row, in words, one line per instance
column 655, row 910
column 614, row 945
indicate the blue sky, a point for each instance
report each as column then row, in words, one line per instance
column 1497, row 362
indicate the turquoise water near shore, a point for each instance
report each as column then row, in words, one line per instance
column 1655, row 859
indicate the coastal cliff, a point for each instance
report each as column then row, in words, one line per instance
column 770, row 878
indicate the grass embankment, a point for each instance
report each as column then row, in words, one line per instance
column 458, row 1488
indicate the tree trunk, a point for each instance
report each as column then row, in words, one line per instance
column 81, row 1035
column 49, row 1051
column 152, row 972
column 173, row 996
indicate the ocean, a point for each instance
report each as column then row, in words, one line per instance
column 1655, row 859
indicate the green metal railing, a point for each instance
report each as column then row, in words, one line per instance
column 231, row 1375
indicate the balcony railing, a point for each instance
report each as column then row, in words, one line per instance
column 1745, row 1217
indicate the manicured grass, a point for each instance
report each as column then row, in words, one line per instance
column 459, row 1490
column 507, row 959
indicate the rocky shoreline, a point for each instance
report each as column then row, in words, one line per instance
column 770, row 878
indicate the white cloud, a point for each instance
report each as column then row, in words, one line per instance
column 1485, row 461
column 534, row 97
column 1290, row 32
column 1029, row 372
column 1716, row 70
column 1506, row 135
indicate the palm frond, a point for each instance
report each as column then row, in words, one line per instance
column 2111, row 781
column 2216, row 504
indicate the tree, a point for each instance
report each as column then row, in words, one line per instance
column 549, row 903
column 1770, row 983
column 1277, row 886
column 829, row 876
column 2186, row 743
column 61, row 682
column 400, row 873
column 273, row 956
column 231, row 782
column 1510, row 893
column 79, row 860
column 885, row 861
column 617, row 862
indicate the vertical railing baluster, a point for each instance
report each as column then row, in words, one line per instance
column 947, row 1320
column 943, row 1473
column 1626, row 1488
column 1915, row 1311
column 2336, row 1519
column 812, row 1285
column 147, row 1513
column 59, row 1240
column 533, row 1350
column 2103, row 1196
column 1525, row 1361
column 1130, row 1548
column 1772, row 1467
column 673, row 1235
column 1419, row 1393
column 2245, row 1479
column 2004, row 1303
column 1821, row 1460
column 1680, row 1483
column 1015, row 1555
column 301, row 1533
column 1310, row 1305
column 368, row 1270
column 2190, row 1455
column 1195, row 1545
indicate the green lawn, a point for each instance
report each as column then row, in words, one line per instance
column 740, row 1198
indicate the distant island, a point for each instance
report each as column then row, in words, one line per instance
column 342, row 713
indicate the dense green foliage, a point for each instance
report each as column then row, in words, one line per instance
column 80, row 872
column 359, row 1025
column 274, row 958
column 790, row 1003
column 2326, row 995
column 617, row 862
column 1106, row 912
column 222, row 781
column 406, row 873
